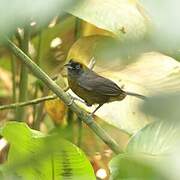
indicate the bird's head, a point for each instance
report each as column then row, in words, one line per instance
column 75, row 68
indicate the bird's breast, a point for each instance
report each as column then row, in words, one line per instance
column 88, row 96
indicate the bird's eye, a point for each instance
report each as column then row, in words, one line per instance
column 78, row 66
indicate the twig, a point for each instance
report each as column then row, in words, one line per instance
column 32, row 102
column 13, row 71
column 38, row 72
column 37, row 111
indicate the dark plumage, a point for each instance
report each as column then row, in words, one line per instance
column 93, row 88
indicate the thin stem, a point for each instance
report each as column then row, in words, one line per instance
column 13, row 71
column 37, row 110
column 77, row 28
column 66, row 98
column 23, row 85
column 27, row 103
column 70, row 128
column 79, row 141
column 39, row 116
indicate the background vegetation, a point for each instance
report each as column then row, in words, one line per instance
column 135, row 44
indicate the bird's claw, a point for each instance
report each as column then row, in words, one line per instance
column 75, row 99
column 70, row 103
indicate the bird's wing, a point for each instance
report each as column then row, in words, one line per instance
column 100, row 85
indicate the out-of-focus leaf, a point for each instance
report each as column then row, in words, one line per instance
column 56, row 110
column 157, row 138
column 25, row 11
column 55, row 43
column 148, row 153
column 5, row 83
column 164, row 105
column 126, row 19
column 150, row 74
column 34, row 155
column 135, row 167
column 165, row 15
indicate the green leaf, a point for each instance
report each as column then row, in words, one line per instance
column 156, row 138
column 124, row 18
column 148, row 152
column 34, row 155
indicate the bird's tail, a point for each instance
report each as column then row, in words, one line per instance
column 136, row 95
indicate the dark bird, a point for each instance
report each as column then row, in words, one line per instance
column 93, row 88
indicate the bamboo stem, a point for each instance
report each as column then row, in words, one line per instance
column 23, row 85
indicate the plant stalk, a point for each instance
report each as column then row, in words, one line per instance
column 23, row 85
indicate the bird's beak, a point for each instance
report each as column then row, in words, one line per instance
column 67, row 65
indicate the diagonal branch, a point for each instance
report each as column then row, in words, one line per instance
column 66, row 98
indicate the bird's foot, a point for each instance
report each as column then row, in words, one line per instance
column 78, row 99
column 90, row 119
column 71, row 101
column 75, row 99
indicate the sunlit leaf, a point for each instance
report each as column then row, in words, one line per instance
column 34, row 155
column 89, row 30
column 123, row 18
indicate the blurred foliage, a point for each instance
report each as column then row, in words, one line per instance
column 52, row 52
column 135, row 44
column 147, row 153
column 23, row 12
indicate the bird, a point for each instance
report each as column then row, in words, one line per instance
column 93, row 88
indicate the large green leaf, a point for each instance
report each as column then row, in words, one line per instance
column 148, row 153
column 122, row 17
column 33, row 155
